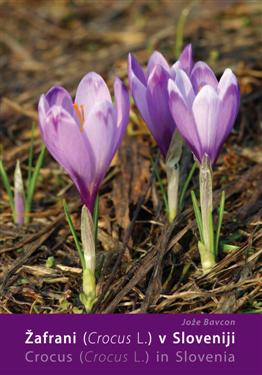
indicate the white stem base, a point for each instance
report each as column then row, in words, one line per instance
column 172, row 192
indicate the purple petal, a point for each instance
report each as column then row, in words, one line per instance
column 91, row 90
column 185, row 87
column 163, row 125
column 100, row 129
column 185, row 59
column 138, row 90
column 19, row 207
column 69, row 147
column 135, row 70
column 157, row 59
column 43, row 108
column 229, row 108
column 174, row 68
column 122, row 108
column 57, row 95
column 228, row 79
column 182, row 114
column 206, row 109
column 229, row 95
column 202, row 75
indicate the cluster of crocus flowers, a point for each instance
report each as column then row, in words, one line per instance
column 83, row 137
column 150, row 92
column 187, row 99
column 184, row 101
column 204, row 111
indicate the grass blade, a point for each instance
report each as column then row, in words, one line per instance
column 73, row 232
column 197, row 215
column 227, row 248
column 30, row 157
column 185, row 186
column 32, row 183
column 220, row 219
column 7, row 187
column 180, row 31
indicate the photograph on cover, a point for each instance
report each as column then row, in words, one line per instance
column 131, row 157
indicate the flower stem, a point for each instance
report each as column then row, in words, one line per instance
column 172, row 191
column 88, row 296
column 172, row 170
column 206, row 203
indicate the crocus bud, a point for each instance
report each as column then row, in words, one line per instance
column 19, row 195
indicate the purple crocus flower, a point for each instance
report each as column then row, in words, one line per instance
column 83, row 136
column 203, row 108
column 150, row 92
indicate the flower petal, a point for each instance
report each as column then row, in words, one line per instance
column 174, row 68
column 134, row 69
column 185, row 59
column 100, row 129
column 229, row 109
column 202, row 75
column 57, row 95
column 138, row 90
column 162, row 125
column 206, row 109
column 69, row 147
column 183, row 117
column 185, row 87
column 228, row 79
column 43, row 108
column 91, row 90
column 122, row 108
column 156, row 59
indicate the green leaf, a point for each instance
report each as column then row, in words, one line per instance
column 32, row 183
column 211, row 234
column 95, row 217
column 73, row 232
column 197, row 215
column 7, row 187
column 227, row 248
column 220, row 219
column 50, row 262
column 162, row 189
column 184, row 189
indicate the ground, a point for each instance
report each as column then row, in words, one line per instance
column 144, row 264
